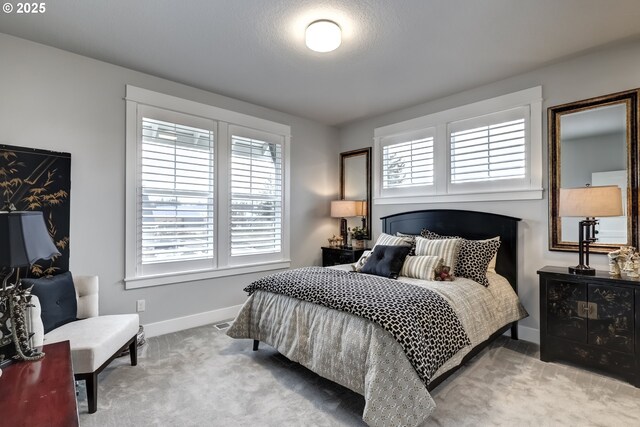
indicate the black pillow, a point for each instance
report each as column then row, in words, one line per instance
column 57, row 297
column 386, row 261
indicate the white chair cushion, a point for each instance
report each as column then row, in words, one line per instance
column 94, row 340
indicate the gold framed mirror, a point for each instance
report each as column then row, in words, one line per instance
column 355, row 184
column 594, row 142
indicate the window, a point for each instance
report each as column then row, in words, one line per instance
column 176, row 196
column 487, row 149
column 256, row 196
column 408, row 164
column 407, row 161
column 490, row 150
column 207, row 191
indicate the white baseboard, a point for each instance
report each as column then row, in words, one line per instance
column 526, row 333
column 192, row 321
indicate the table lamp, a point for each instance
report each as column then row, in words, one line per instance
column 343, row 209
column 589, row 202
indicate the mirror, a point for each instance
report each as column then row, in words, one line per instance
column 595, row 142
column 355, row 184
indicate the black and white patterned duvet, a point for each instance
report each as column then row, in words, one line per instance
column 421, row 321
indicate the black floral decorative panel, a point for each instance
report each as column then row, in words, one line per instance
column 39, row 180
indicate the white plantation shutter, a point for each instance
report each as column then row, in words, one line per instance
column 207, row 191
column 407, row 161
column 256, row 181
column 176, row 195
column 489, row 148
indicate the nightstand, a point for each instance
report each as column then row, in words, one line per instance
column 592, row 321
column 336, row 256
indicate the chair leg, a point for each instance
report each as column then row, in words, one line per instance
column 255, row 345
column 514, row 331
column 133, row 352
column 91, row 382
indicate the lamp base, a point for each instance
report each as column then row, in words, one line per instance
column 582, row 269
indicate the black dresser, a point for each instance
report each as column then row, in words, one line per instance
column 336, row 256
column 591, row 321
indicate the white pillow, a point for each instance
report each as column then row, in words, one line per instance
column 447, row 249
column 421, row 267
column 362, row 261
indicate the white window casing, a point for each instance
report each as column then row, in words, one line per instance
column 180, row 178
column 488, row 150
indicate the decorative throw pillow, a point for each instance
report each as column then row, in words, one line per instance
column 389, row 240
column 57, row 297
column 421, row 267
column 362, row 261
column 447, row 249
column 386, row 261
column 413, row 241
column 475, row 256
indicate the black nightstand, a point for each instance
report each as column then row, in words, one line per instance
column 336, row 256
column 591, row 321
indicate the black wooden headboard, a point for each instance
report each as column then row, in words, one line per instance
column 468, row 224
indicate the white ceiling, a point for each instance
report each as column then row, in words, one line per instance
column 394, row 53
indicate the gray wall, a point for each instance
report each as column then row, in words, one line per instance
column 55, row 100
column 597, row 73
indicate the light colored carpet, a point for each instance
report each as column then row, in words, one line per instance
column 201, row 377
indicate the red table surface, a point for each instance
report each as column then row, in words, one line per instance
column 40, row 393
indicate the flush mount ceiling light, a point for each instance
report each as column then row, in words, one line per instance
column 323, row 36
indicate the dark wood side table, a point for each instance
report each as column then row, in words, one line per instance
column 336, row 256
column 592, row 321
column 40, row 393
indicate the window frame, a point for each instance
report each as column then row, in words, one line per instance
column 138, row 99
column 443, row 190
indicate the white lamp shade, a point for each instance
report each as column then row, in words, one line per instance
column 323, row 36
column 343, row 208
column 591, row 202
column 361, row 208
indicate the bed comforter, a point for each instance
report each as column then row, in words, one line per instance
column 364, row 357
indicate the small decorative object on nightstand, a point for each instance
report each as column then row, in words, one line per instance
column 592, row 321
column 359, row 234
column 336, row 256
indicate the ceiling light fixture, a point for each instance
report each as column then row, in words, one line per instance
column 323, row 36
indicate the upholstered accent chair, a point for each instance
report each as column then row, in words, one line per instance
column 95, row 340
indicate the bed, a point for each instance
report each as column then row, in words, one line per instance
column 361, row 355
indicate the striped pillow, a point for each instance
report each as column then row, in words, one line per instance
column 421, row 267
column 447, row 249
column 389, row 240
